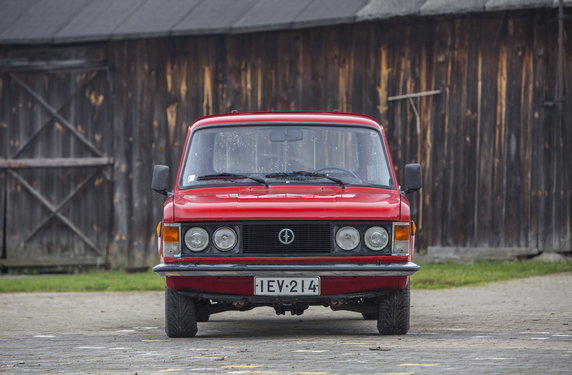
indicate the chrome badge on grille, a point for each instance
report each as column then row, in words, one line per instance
column 286, row 236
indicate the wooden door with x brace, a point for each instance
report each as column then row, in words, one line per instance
column 55, row 166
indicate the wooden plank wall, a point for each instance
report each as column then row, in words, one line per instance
column 496, row 163
column 497, row 170
column 81, row 196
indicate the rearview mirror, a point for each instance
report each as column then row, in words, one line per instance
column 161, row 179
column 412, row 177
column 285, row 134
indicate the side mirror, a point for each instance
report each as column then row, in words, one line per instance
column 412, row 178
column 161, row 179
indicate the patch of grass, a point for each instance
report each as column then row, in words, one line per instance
column 431, row 276
column 111, row 281
column 447, row 275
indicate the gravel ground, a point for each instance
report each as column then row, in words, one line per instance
column 516, row 327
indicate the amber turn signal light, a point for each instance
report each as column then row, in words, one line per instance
column 402, row 232
column 170, row 234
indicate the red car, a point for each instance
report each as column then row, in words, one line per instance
column 287, row 210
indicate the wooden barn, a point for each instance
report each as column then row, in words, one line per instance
column 94, row 92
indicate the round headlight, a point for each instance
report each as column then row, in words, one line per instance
column 224, row 238
column 347, row 238
column 376, row 238
column 196, row 239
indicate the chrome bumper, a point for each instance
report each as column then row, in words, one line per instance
column 327, row 269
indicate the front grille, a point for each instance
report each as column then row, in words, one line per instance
column 309, row 238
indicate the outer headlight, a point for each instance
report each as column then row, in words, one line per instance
column 224, row 238
column 196, row 239
column 347, row 238
column 376, row 238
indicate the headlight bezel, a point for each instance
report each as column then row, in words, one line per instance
column 368, row 240
column 362, row 227
column 221, row 248
column 352, row 232
column 362, row 248
column 211, row 250
column 197, row 229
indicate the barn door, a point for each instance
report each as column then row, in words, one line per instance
column 55, row 164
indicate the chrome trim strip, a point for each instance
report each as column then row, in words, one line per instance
column 329, row 269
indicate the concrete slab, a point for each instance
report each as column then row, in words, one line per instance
column 468, row 255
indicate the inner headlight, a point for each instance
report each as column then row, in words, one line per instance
column 347, row 238
column 376, row 238
column 224, row 238
column 196, row 239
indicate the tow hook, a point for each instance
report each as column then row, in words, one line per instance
column 243, row 302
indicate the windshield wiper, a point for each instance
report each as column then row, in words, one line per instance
column 232, row 176
column 306, row 174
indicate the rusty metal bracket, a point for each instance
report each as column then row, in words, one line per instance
column 409, row 98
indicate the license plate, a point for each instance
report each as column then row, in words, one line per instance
column 287, row 286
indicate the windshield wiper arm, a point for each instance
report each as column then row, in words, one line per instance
column 232, row 176
column 307, row 174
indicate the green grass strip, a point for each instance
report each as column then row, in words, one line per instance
column 431, row 276
column 447, row 275
column 111, row 281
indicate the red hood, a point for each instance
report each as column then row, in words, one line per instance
column 286, row 203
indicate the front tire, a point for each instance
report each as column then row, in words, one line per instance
column 394, row 312
column 180, row 315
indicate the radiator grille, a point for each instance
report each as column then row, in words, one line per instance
column 309, row 238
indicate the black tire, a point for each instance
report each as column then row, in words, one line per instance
column 394, row 314
column 180, row 315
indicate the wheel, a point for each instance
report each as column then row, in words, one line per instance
column 346, row 171
column 180, row 315
column 394, row 310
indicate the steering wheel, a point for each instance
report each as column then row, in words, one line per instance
column 346, row 171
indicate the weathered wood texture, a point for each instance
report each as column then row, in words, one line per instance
column 497, row 170
column 56, row 149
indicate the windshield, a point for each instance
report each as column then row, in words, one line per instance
column 279, row 154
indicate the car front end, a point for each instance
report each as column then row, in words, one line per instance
column 287, row 211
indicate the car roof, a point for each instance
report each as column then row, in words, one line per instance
column 248, row 118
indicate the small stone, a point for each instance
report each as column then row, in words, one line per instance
column 550, row 257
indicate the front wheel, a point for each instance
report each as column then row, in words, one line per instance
column 394, row 313
column 180, row 315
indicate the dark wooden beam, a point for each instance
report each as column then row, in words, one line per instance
column 55, row 163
